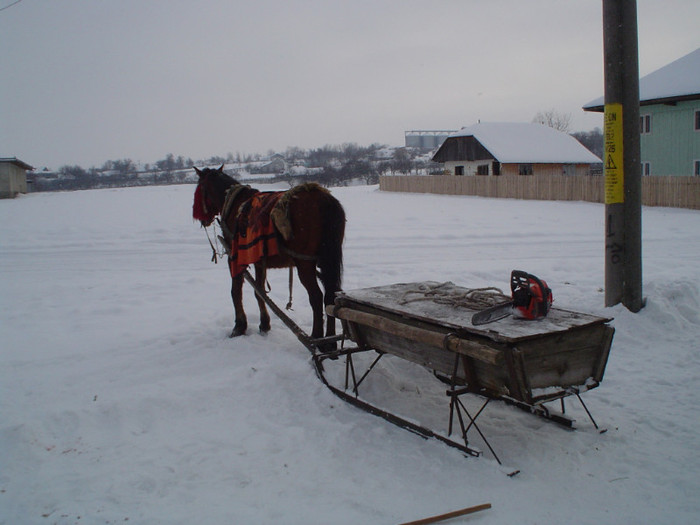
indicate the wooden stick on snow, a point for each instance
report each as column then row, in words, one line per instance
column 449, row 515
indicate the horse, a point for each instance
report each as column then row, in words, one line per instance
column 308, row 233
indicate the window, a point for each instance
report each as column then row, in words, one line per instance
column 697, row 120
column 697, row 168
column 482, row 170
column 459, row 170
column 525, row 169
column 646, row 168
column 645, row 124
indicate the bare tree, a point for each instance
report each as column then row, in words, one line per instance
column 593, row 140
column 554, row 119
column 402, row 161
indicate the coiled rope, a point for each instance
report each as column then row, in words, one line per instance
column 444, row 293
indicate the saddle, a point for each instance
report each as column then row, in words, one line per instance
column 259, row 224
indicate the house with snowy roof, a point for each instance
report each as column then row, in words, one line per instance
column 13, row 177
column 513, row 148
column 669, row 118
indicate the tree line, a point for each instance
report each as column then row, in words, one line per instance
column 330, row 165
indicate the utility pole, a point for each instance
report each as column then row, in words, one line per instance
column 622, row 162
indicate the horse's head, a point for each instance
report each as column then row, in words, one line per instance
column 210, row 194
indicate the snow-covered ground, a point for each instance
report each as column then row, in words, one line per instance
column 123, row 400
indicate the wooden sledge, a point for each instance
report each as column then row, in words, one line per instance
column 525, row 363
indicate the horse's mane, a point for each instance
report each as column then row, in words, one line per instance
column 226, row 178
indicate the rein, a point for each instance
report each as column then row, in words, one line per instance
column 215, row 254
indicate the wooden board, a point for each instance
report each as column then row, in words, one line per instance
column 412, row 300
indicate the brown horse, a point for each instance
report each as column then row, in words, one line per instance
column 315, row 228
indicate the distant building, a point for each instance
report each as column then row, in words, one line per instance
column 669, row 118
column 426, row 139
column 13, row 177
column 277, row 164
column 513, row 148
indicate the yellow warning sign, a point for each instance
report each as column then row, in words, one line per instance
column 613, row 167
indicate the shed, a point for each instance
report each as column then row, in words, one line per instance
column 13, row 177
column 514, row 148
column 669, row 118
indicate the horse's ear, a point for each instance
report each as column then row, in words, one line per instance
column 197, row 170
column 221, row 169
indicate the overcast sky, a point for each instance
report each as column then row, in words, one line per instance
column 88, row 81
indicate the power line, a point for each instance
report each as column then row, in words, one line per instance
column 8, row 6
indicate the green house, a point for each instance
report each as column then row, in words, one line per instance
column 669, row 118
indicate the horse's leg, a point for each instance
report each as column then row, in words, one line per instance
column 329, row 299
column 307, row 275
column 241, row 322
column 260, row 277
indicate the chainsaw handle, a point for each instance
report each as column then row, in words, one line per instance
column 520, row 285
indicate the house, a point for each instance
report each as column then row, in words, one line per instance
column 13, row 177
column 669, row 118
column 277, row 164
column 513, row 148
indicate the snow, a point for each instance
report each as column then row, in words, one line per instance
column 680, row 78
column 511, row 142
column 123, row 399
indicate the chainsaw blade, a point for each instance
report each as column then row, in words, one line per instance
column 494, row 313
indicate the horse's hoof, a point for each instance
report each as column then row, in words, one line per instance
column 237, row 331
column 264, row 328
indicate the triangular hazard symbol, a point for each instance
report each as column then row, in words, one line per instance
column 610, row 164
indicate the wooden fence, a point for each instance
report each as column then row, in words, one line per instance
column 675, row 192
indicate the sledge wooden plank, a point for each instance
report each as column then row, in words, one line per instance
column 414, row 333
column 412, row 300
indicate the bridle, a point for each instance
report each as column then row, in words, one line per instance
column 229, row 197
column 205, row 211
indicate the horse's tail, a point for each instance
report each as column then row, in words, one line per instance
column 330, row 256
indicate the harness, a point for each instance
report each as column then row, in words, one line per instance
column 227, row 235
column 229, row 197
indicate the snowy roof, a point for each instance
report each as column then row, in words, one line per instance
column 16, row 162
column 523, row 142
column 678, row 80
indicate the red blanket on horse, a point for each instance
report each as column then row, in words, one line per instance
column 255, row 236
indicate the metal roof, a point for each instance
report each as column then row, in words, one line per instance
column 675, row 82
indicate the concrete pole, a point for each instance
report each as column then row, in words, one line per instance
column 622, row 163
